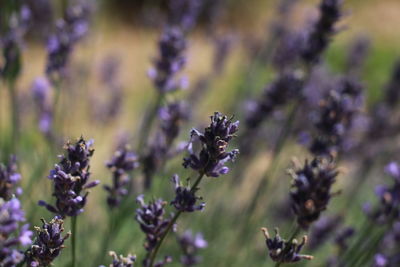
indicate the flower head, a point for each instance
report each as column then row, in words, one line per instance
column 190, row 244
column 185, row 197
column 71, row 179
column 311, row 191
column 121, row 261
column 281, row 250
column 214, row 143
column 318, row 38
column 12, row 233
column 48, row 244
column 9, row 178
column 123, row 161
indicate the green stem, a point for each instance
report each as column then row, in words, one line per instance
column 73, row 240
column 109, row 236
column 283, row 137
column 171, row 223
column 147, row 123
column 14, row 114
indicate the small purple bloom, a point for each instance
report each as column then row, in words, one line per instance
column 71, row 179
column 283, row 251
column 212, row 157
column 9, row 178
column 190, row 245
column 185, row 197
column 48, row 244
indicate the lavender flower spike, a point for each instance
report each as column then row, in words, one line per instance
column 121, row 163
column 9, row 177
column 283, row 251
column 48, row 244
column 153, row 224
column 312, row 190
column 70, row 178
column 185, row 198
column 121, row 261
column 12, row 233
column 190, row 244
column 318, row 38
column 213, row 142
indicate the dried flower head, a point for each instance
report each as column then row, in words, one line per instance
column 283, row 251
column 71, row 179
column 213, row 147
column 311, row 189
column 185, row 197
column 48, row 244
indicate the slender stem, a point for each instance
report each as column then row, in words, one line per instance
column 73, row 240
column 147, row 122
column 109, row 236
column 171, row 223
column 283, row 137
column 14, row 114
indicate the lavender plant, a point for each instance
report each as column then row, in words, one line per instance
column 9, row 179
column 13, row 232
column 48, row 244
column 190, row 244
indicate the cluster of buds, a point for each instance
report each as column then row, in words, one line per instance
column 171, row 60
column 12, row 233
column 318, row 38
column 311, row 191
column 190, row 245
column 185, row 197
column 70, row 178
column 48, row 244
column 389, row 196
column 283, row 251
column 335, row 118
column 9, row 178
column 41, row 90
column 120, row 165
column 121, row 261
column 69, row 31
column 152, row 223
column 214, row 141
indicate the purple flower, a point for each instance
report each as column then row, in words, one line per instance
column 69, row 31
column 318, row 38
column 121, row 261
column 281, row 250
column 48, row 244
column 11, row 41
column 190, row 245
column 185, row 197
column 123, row 161
column 380, row 261
column 71, row 179
column 153, row 224
column 311, row 189
column 211, row 158
column 171, row 60
column 335, row 118
column 12, row 232
column 389, row 198
column 9, row 178
column 41, row 90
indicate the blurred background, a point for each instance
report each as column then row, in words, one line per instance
column 126, row 32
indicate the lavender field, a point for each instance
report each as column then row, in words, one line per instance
column 199, row 133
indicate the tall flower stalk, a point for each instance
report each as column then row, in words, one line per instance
column 71, row 183
column 209, row 161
